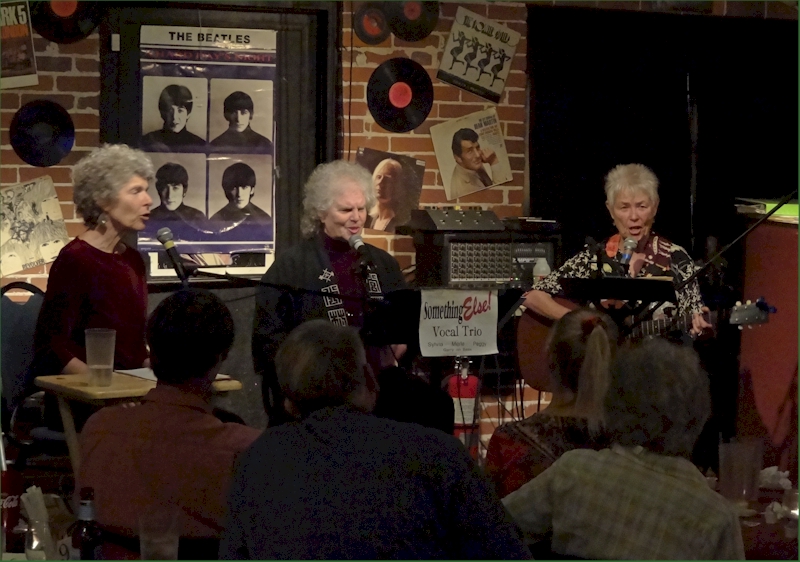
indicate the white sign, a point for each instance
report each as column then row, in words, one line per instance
column 458, row 322
column 209, row 37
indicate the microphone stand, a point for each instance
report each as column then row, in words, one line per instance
column 648, row 313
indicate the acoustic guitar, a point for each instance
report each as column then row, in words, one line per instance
column 532, row 330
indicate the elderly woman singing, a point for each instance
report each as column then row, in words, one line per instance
column 336, row 198
column 98, row 281
column 632, row 201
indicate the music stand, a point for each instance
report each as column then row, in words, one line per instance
column 646, row 290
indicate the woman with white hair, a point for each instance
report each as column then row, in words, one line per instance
column 98, row 280
column 336, row 198
column 632, row 202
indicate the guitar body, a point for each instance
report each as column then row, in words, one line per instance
column 532, row 330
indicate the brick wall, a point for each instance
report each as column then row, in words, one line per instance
column 449, row 103
column 70, row 76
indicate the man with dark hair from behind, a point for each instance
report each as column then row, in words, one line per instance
column 239, row 184
column 641, row 499
column 172, row 181
column 175, row 106
column 344, row 484
column 169, row 450
column 238, row 111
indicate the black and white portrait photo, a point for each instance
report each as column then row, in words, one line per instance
column 241, row 116
column 174, row 114
column 240, row 197
column 179, row 195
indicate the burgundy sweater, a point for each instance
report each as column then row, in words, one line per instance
column 90, row 288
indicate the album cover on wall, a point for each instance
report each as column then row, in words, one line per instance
column 471, row 153
column 398, row 185
column 478, row 55
column 18, row 66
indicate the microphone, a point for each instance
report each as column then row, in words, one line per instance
column 164, row 236
column 628, row 246
column 358, row 244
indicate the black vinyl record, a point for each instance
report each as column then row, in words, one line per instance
column 42, row 133
column 400, row 95
column 371, row 24
column 412, row 21
column 65, row 22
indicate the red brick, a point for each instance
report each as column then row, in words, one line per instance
column 88, row 46
column 85, row 121
column 507, row 113
column 347, row 34
column 517, row 162
column 469, row 97
column 425, row 128
column 518, row 178
column 377, row 58
column 73, row 157
column 359, row 74
column 64, row 193
column 429, row 41
column 354, row 126
column 89, row 102
column 5, row 138
column 87, row 138
column 378, row 241
column 75, row 228
column 519, row 63
column 356, row 91
column 446, row 92
column 516, row 130
column 632, row 6
column 64, row 100
column 430, row 161
column 68, row 211
column 377, row 143
column 357, row 108
column 430, row 196
column 45, row 84
column 5, row 119
column 507, row 13
column 40, row 44
column 8, row 175
column 516, row 97
column 520, row 27
column 78, row 83
column 88, row 65
column 40, row 282
column 493, row 195
column 9, row 100
column 372, row 127
column 59, row 175
column 516, row 80
column 412, row 144
column 507, row 210
column 451, row 110
column 53, row 64
column 516, row 196
column 403, row 244
column 10, row 158
column 429, row 178
column 404, row 261
column 422, row 58
column 515, row 146
column 448, row 10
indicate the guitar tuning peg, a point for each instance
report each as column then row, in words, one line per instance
column 749, row 302
column 741, row 328
column 738, row 303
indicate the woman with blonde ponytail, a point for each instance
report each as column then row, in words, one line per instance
column 580, row 349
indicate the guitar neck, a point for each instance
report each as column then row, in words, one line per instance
column 658, row 327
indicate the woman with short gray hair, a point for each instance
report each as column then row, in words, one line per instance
column 98, row 280
column 335, row 203
column 634, row 251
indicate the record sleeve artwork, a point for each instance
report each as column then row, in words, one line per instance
column 478, row 55
column 32, row 229
column 399, row 95
column 208, row 125
column 17, row 60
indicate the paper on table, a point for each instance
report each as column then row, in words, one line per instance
column 147, row 374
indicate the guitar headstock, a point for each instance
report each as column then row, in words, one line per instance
column 751, row 313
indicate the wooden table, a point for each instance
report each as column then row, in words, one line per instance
column 124, row 388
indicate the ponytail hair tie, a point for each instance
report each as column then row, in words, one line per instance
column 589, row 324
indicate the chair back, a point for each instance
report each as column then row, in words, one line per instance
column 16, row 344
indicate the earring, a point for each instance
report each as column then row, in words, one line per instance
column 101, row 220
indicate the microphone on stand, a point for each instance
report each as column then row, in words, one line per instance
column 358, row 244
column 164, row 236
column 628, row 246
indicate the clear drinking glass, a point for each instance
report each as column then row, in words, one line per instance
column 100, row 344
column 159, row 534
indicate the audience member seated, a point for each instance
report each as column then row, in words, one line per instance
column 170, row 449
column 580, row 348
column 642, row 498
column 345, row 484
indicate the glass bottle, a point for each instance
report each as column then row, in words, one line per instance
column 86, row 533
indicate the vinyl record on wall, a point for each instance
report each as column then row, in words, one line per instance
column 412, row 21
column 66, row 21
column 400, row 95
column 42, row 133
column 371, row 24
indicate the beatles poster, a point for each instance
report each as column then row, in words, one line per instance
column 398, row 184
column 18, row 66
column 478, row 55
column 207, row 120
column 471, row 153
column 32, row 229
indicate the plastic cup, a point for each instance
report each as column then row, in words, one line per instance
column 100, row 344
column 739, row 467
column 158, row 534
